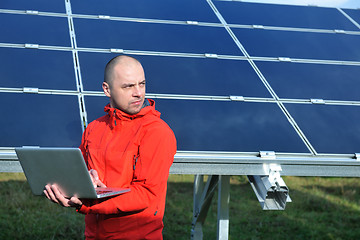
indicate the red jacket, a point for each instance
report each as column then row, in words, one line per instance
column 133, row 151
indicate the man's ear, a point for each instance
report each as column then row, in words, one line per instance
column 106, row 89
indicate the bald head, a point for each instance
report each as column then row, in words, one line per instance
column 121, row 63
column 124, row 84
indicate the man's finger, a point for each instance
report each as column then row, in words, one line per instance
column 94, row 176
column 59, row 196
column 50, row 194
column 75, row 202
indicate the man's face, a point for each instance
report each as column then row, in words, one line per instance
column 127, row 88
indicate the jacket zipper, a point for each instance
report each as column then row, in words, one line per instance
column 115, row 116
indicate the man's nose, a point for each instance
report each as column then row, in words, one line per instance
column 137, row 91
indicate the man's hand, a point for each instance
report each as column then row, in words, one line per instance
column 53, row 193
column 95, row 179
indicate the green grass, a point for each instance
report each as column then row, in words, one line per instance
column 322, row 208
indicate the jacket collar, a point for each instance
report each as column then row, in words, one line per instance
column 148, row 107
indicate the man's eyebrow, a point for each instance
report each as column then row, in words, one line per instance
column 127, row 85
column 132, row 84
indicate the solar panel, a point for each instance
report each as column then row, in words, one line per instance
column 32, row 29
column 39, row 120
column 296, row 44
column 309, row 81
column 226, row 75
column 283, row 16
column 331, row 129
column 37, row 5
column 159, row 37
column 185, row 10
column 33, row 68
column 179, row 75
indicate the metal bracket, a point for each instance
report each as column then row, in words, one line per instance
column 32, row 12
column 211, row 55
column 237, row 98
column 339, row 31
column 267, row 154
column 284, row 59
column 317, row 101
column 103, row 17
column 30, row 45
column 271, row 190
column 192, row 22
column 258, row 26
column 30, row 90
column 114, row 50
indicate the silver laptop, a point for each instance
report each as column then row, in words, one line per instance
column 62, row 166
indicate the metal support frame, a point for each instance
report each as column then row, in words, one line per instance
column 203, row 195
column 271, row 190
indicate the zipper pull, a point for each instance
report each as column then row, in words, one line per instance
column 115, row 116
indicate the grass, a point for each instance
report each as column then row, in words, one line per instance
column 322, row 208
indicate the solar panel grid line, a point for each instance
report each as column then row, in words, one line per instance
column 296, row 29
column 184, row 22
column 183, row 97
column 145, row 20
column 228, row 98
column 310, row 61
column 114, row 18
column 27, row 90
column 76, row 62
column 188, row 97
column 38, row 46
column 265, row 82
column 33, row 12
column 350, row 18
column 175, row 54
column 326, row 102
column 145, row 53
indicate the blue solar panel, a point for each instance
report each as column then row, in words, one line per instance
column 153, row 37
column 307, row 45
column 303, row 80
column 221, row 126
column 330, row 129
column 230, row 126
column 35, row 5
column 39, row 120
column 302, row 53
column 179, row 75
column 283, row 15
column 43, row 30
column 354, row 14
column 52, row 69
column 185, row 10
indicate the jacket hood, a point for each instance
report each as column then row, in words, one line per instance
column 146, row 109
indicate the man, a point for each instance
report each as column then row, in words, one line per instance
column 128, row 147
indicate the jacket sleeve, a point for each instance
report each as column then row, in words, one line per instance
column 157, row 150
